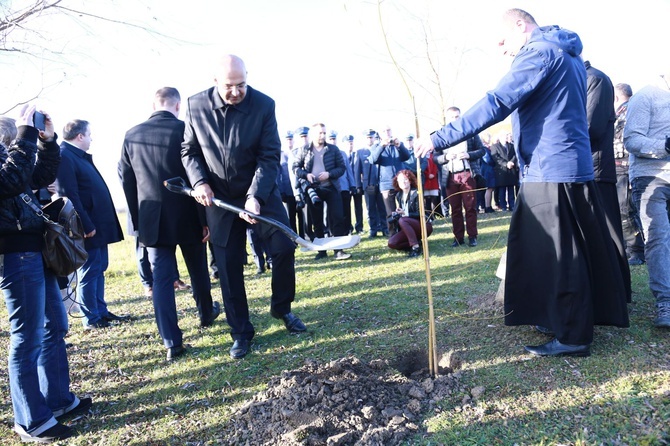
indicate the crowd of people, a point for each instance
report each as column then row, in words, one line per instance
column 585, row 173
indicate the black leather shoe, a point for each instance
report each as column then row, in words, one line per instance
column 177, row 351
column 457, row 243
column 216, row 311
column 555, row 348
column 472, row 241
column 240, row 348
column 102, row 323
column 320, row 255
column 113, row 317
column 543, row 330
column 292, row 322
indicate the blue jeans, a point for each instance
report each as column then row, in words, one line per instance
column 91, row 293
column 652, row 197
column 39, row 376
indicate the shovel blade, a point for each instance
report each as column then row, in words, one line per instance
column 331, row 243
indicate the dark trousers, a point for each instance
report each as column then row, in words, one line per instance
column 460, row 190
column 230, row 259
column 630, row 218
column 333, row 200
column 408, row 235
column 164, row 265
column 258, row 250
column 295, row 216
column 346, row 209
column 143, row 264
column 506, row 197
column 376, row 210
column 358, row 212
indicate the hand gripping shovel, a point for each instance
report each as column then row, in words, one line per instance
column 178, row 185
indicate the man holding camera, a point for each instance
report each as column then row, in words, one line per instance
column 320, row 165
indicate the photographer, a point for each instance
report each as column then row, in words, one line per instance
column 321, row 164
column 39, row 378
column 389, row 155
column 407, row 217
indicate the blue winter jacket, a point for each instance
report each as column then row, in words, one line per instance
column 545, row 91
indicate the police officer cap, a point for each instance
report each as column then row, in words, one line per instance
column 370, row 132
column 410, row 137
column 302, row 131
column 289, row 135
column 332, row 134
column 348, row 138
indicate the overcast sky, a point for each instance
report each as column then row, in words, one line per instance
column 321, row 60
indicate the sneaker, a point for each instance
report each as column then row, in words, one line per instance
column 341, row 255
column 414, row 252
column 54, row 433
column 82, row 406
column 663, row 315
column 457, row 243
column 472, row 241
column 320, row 255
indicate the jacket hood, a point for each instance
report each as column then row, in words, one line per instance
column 565, row 39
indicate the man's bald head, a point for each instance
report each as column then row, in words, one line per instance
column 231, row 79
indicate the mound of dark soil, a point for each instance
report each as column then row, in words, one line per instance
column 344, row 402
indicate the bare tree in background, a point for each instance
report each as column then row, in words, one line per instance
column 33, row 31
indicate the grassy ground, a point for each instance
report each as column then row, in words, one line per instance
column 372, row 306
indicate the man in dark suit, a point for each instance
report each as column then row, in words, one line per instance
column 231, row 150
column 152, row 153
column 80, row 181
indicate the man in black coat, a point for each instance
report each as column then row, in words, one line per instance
column 601, row 117
column 231, row 150
column 80, row 181
column 152, row 153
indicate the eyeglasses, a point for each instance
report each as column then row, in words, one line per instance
column 240, row 86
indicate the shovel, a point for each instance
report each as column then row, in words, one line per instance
column 179, row 186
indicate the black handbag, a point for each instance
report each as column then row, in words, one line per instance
column 480, row 181
column 64, row 251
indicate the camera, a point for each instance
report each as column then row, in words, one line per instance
column 39, row 121
column 308, row 190
column 394, row 217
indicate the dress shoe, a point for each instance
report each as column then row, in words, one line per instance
column 543, row 330
column 54, row 433
column 472, row 241
column 216, row 311
column 102, row 323
column 372, row 234
column 180, row 285
column 320, row 255
column 341, row 255
column 176, row 351
column 555, row 348
column 292, row 322
column 240, row 348
column 82, row 406
column 113, row 317
column 457, row 243
column 663, row 315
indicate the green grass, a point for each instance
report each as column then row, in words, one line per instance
column 373, row 306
